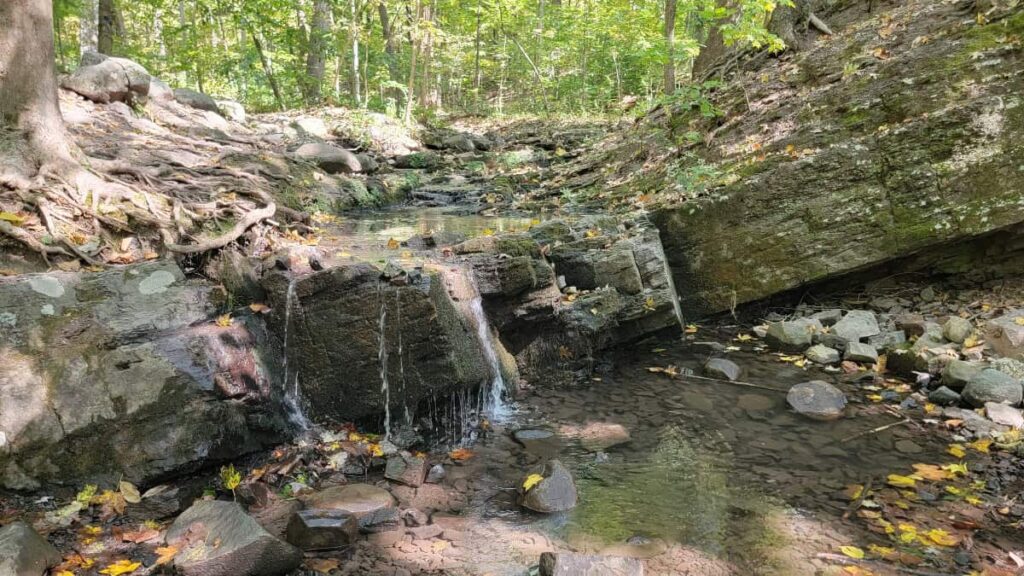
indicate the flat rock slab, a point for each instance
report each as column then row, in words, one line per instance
column 406, row 468
column 1004, row 414
column 370, row 505
column 318, row 529
column 822, row 354
column 217, row 538
column 568, row 564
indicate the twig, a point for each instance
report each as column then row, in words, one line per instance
column 856, row 504
column 734, row 383
column 875, row 430
column 237, row 230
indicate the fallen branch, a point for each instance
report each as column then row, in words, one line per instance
column 819, row 24
column 875, row 430
column 250, row 218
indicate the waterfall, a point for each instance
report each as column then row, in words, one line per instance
column 493, row 395
column 382, row 356
column 292, row 398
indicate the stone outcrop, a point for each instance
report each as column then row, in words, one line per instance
column 124, row 374
column 23, row 552
column 337, row 323
column 104, row 79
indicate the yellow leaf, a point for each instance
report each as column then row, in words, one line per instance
column 12, row 218
column 531, row 481
column 1019, row 320
column 64, row 573
column 593, row 233
column 955, row 469
column 393, row 244
column 121, row 567
column 974, row 500
column 322, row 565
column 376, row 450
column 691, row 329
column 931, row 472
column 957, row 450
column 941, row 537
column 852, row 552
column 259, row 308
column 560, row 152
column 901, row 481
column 224, row 320
column 130, row 492
column 954, row 490
column 230, row 477
column 853, row 491
column 649, row 304
column 981, row 445
column 488, row 232
column 882, row 551
column 744, row 337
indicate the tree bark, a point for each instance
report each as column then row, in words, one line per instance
column 28, row 85
column 670, row 46
column 108, row 28
column 316, row 56
column 353, row 31
column 410, row 88
column 267, row 68
column 88, row 26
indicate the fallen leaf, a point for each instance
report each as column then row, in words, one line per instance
column 957, row 450
column 12, row 218
column 165, row 554
column 129, row 492
column 461, row 454
column 981, row 445
column 691, row 329
column 931, row 472
column 121, row 567
column 531, row 481
column 852, row 551
column 322, row 565
column 900, row 481
column 224, row 320
column 259, row 308
column 942, row 538
column 140, row 536
column 393, row 244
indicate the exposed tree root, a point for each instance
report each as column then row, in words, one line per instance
column 248, row 220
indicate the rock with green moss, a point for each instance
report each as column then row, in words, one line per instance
column 124, row 374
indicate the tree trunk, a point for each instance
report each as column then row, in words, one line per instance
column 107, row 28
column 267, row 68
column 88, row 26
column 412, row 66
column 28, row 90
column 316, row 56
column 353, row 31
column 670, row 46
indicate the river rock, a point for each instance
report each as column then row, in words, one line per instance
column 336, row 321
column 1004, row 414
column 958, row 373
column 555, row 493
column 911, row 324
column 993, row 386
column 319, row 529
column 822, row 354
column 406, row 468
column 436, row 474
column 888, row 340
column 130, row 363
column 23, row 552
column 1006, row 334
column 459, row 142
column 722, row 368
column 859, row 352
column 828, row 317
column 104, row 79
column 371, row 506
column 426, row 160
column 817, row 399
column 944, row 396
column 194, row 99
column 330, row 158
column 1009, row 366
column 595, row 436
column 232, row 110
column 570, row 564
column 310, row 127
column 216, row 538
column 792, row 336
column 957, row 329
column 856, row 325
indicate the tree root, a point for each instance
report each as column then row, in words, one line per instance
column 27, row 239
column 248, row 220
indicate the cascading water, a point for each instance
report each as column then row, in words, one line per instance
column 291, row 397
column 382, row 356
column 493, row 394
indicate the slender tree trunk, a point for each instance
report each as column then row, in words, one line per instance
column 670, row 46
column 28, row 86
column 353, row 31
column 107, row 11
column 88, row 26
column 267, row 68
column 413, row 34
column 316, row 56
column 476, row 57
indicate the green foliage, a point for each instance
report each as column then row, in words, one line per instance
column 230, row 478
column 490, row 56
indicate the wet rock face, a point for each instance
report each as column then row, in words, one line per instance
column 124, row 373
column 219, row 539
column 335, row 327
column 23, row 552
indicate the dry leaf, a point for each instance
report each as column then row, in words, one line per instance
column 322, row 565
column 900, row 481
column 129, row 492
column 224, row 320
column 461, row 454
column 259, row 308
column 140, row 536
column 121, row 567
column 531, row 481
column 852, row 551
column 165, row 554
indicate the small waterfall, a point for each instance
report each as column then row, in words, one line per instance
column 493, row 395
column 382, row 356
column 291, row 397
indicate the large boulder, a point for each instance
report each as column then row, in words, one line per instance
column 887, row 163
column 330, row 158
column 197, row 100
column 23, row 552
column 350, row 318
column 217, row 538
column 123, row 373
column 103, row 79
column 993, row 386
column 232, row 110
